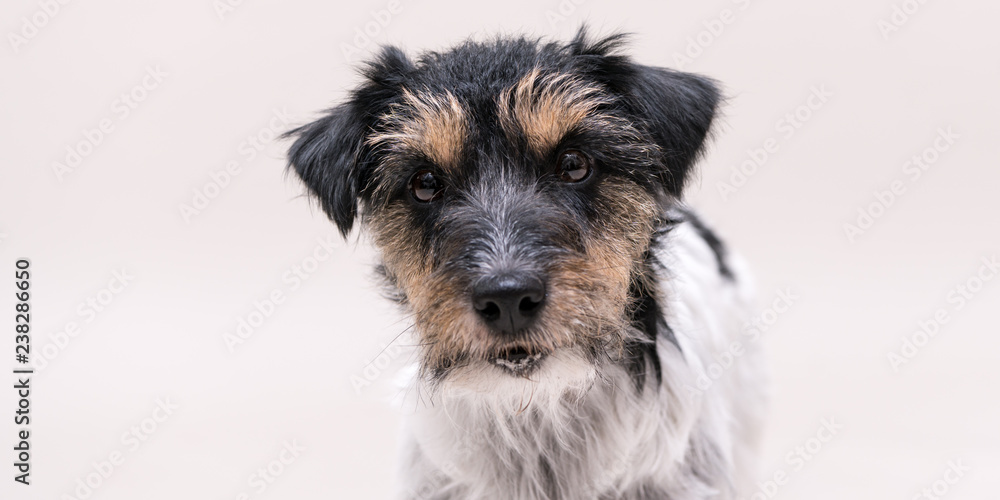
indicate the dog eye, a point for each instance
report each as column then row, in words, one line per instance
column 425, row 187
column 573, row 166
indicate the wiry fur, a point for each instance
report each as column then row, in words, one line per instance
column 639, row 294
column 597, row 438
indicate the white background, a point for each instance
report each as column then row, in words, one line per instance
column 161, row 337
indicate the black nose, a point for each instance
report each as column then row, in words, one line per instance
column 509, row 302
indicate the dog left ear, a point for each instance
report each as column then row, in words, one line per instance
column 675, row 108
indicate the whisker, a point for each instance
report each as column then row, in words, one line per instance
column 394, row 339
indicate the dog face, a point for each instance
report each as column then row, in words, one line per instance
column 513, row 189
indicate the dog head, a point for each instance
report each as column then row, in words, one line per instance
column 513, row 189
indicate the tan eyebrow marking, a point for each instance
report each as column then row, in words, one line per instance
column 435, row 125
column 546, row 107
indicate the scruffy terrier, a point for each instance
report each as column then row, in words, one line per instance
column 525, row 201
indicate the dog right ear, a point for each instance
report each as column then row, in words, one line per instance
column 325, row 156
column 331, row 156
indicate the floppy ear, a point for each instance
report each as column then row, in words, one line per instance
column 331, row 156
column 325, row 157
column 676, row 109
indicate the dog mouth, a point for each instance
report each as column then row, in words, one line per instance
column 518, row 360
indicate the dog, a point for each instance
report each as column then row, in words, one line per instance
column 525, row 200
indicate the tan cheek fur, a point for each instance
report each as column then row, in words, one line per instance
column 588, row 293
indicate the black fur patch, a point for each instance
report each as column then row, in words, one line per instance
column 641, row 355
column 713, row 241
column 647, row 317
